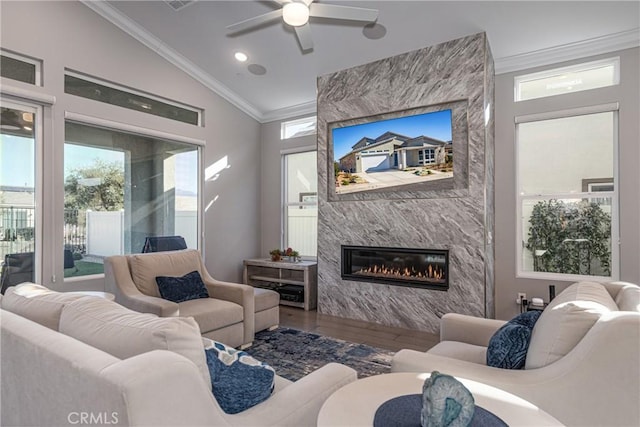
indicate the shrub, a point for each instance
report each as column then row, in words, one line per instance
column 570, row 238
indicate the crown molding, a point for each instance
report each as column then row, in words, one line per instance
column 305, row 108
column 590, row 47
column 132, row 28
column 566, row 52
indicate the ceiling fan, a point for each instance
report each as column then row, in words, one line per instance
column 296, row 13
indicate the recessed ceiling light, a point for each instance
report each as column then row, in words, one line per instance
column 242, row 57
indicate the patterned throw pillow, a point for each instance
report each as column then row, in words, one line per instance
column 508, row 346
column 180, row 289
column 238, row 381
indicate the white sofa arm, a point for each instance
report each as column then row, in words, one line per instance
column 468, row 329
column 601, row 373
column 118, row 281
column 298, row 404
column 234, row 292
column 162, row 388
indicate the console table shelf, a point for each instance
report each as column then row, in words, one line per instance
column 271, row 279
column 284, row 277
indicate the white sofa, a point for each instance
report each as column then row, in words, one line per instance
column 582, row 364
column 54, row 375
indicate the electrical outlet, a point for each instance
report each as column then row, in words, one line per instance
column 521, row 296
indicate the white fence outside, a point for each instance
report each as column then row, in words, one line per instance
column 105, row 233
column 186, row 225
column 302, row 231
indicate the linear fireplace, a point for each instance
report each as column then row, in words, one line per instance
column 417, row 268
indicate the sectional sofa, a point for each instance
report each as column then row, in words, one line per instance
column 582, row 363
column 70, row 360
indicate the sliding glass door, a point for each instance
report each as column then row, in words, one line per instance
column 119, row 189
column 20, row 227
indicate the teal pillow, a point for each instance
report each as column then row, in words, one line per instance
column 238, row 381
column 509, row 345
column 180, row 289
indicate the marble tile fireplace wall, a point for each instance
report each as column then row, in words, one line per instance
column 460, row 220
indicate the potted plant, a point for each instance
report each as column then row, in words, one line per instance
column 278, row 254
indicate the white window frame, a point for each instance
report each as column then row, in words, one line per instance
column 428, row 156
column 615, row 215
column 585, row 66
column 285, row 125
column 36, row 62
column 83, row 119
column 284, row 236
column 42, row 231
column 82, row 76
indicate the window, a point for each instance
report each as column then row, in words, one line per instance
column 20, row 225
column 301, row 202
column 91, row 88
column 567, row 193
column 598, row 185
column 426, row 157
column 121, row 188
column 299, row 127
column 575, row 78
column 20, row 68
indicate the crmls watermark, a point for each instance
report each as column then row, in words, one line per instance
column 92, row 418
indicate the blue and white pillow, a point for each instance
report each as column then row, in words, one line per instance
column 238, row 381
column 509, row 345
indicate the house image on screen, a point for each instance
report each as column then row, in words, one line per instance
column 394, row 151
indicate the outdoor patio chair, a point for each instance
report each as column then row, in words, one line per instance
column 17, row 268
column 164, row 243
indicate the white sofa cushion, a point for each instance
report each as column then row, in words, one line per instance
column 146, row 267
column 37, row 303
column 212, row 314
column 566, row 320
column 124, row 333
column 628, row 298
column 461, row 351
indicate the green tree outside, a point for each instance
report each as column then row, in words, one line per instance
column 99, row 187
column 570, row 238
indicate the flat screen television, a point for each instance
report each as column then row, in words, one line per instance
column 418, row 150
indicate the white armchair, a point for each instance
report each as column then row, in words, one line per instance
column 227, row 316
column 596, row 383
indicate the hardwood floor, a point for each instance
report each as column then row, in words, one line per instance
column 386, row 337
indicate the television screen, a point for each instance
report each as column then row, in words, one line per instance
column 414, row 151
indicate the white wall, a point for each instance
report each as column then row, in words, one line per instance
column 271, row 181
column 67, row 34
column 626, row 93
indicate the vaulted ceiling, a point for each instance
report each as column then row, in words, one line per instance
column 279, row 79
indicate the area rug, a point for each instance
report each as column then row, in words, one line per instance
column 294, row 354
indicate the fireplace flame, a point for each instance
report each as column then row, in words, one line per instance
column 435, row 273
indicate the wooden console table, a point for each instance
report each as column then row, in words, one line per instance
column 287, row 278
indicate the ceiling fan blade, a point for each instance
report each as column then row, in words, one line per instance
column 342, row 12
column 304, row 36
column 255, row 21
column 307, row 2
column 282, row 2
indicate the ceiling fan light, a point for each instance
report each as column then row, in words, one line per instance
column 295, row 14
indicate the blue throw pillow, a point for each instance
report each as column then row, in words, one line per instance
column 185, row 288
column 508, row 346
column 238, row 381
